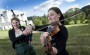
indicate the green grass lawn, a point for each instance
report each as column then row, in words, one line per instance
column 77, row 43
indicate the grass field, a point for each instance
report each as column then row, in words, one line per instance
column 77, row 44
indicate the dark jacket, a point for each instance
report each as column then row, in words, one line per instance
column 21, row 38
column 59, row 40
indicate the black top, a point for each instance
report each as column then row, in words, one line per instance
column 59, row 40
column 21, row 38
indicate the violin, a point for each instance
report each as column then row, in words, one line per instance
column 52, row 32
column 55, row 29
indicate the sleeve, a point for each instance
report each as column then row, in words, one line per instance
column 11, row 36
column 61, row 41
column 29, row 37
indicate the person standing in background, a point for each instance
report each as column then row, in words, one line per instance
column 20, row 42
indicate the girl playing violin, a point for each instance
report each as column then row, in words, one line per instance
column 59, row 39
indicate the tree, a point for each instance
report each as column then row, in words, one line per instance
column 86, row 9
column 83, row 17
column 88, row 18
column 72, row 15
column 44, row 19
column 30, row 18
column 37, row 21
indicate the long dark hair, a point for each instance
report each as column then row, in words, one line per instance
column 58, row 11
column 16, row 20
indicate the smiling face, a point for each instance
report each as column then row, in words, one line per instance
column 15, row 24
column 53, row 16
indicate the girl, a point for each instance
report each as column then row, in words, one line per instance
column 20, row 42
column 58, row 40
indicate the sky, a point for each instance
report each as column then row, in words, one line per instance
column 40, row 7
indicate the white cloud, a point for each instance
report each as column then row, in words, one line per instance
column 46, row 5
column 1, row 11
column 30, row 11
column 70, row 0
column 42, row 8
column 73, row 6
column 88, row 4
column 19, row 12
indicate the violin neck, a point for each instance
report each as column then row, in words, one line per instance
column 48, row 44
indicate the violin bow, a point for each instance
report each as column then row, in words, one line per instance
column 61, row 20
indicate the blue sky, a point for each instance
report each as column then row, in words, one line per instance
column 40, row 7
